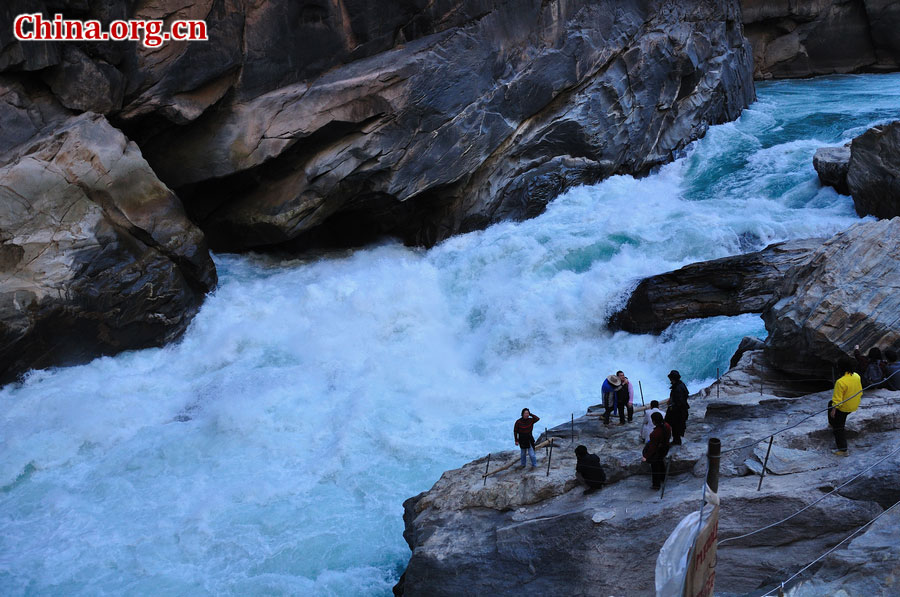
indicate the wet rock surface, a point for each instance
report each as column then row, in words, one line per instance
column 832, row 164
column 525, row 530
column 96, row 254
column 745, row 283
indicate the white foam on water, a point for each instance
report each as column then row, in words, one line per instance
column 269, row 451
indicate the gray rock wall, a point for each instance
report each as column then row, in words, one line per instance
column 794, row 38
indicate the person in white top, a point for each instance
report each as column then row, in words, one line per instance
column 647, row 428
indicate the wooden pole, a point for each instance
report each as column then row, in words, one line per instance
column 549, row 458
column 765, row 462
column 641, row 388
column 714, row 454
column 573, row 429
column 486, row 468
column 717, row 383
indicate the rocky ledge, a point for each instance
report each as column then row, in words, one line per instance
column 818, row 298
column 536, row 532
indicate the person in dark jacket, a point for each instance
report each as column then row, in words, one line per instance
column 892, row 370
column 677, row 413
column 588, row 470
column 656, row 449
column 522, row 432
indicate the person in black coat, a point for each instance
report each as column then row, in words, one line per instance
column 677, row 413
column 656, row 449
column 588, row 470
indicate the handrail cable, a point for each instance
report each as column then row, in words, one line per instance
column 853, row 534
column 810, row 505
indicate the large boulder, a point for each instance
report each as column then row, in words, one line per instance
column 847, row 293
column 802, row 39
column 728, row 286
column 873, row 174
column 96, row 254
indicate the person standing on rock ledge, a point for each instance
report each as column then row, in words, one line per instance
column 677, row 413
column 522, row 432
column 625, row 395
column 609, row 390
column 656, row 449
column 845, row 400
column 892, row 370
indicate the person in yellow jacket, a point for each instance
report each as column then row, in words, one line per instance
column 845, row 400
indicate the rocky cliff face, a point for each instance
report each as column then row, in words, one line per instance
column 529, row 531
column 336, row 122
column 801, row 39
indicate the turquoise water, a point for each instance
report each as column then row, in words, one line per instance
column 270, row 450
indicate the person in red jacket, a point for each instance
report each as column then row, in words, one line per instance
column 522, row 432
column 656, row 449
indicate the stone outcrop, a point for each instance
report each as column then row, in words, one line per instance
column 847, row 293
column 832, row 164
column 96, row 254
column 332, row 123
column 728, row 286
column 873, row 175
column 533, row 532
column 801, row 39
column 868, row 169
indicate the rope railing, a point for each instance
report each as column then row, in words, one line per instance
column 810, row 505
column 806, row 418
column 821, row 557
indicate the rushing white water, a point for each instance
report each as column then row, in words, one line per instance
column 270, row 450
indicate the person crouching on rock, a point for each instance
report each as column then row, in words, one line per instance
column 677, row 413
column 845, row 399
column 522, row 432
column 656, row 449
column 609, row 389
column 588, row 470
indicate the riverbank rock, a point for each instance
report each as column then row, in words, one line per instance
column 802, row 39
column 333, row 124
column 729, row 286
column 534, row 532
column 847, row 293
column 873, row 175
column 96, row 254
column 832, row 164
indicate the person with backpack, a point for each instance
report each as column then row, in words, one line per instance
column 677, row 412
column 522, row 433
column 656, row 449
column 588, row 470
column 845, row 400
